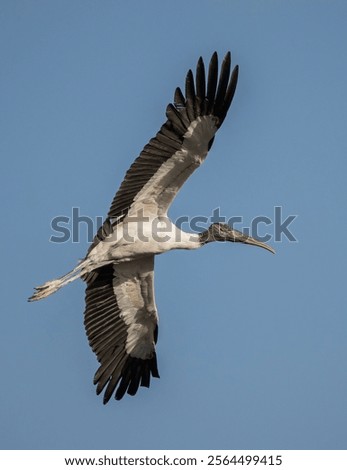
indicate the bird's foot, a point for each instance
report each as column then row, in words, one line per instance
column 45, row 290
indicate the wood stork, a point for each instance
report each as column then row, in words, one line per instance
column 121, row 319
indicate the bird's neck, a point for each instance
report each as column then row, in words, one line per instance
column 205, row 237
column 187, row 240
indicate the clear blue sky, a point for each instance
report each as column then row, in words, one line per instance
column 252, row 347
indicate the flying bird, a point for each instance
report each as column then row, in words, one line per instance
column 121, row 318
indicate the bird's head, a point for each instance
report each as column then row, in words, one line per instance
column 218, row 232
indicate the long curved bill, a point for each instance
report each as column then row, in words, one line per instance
column 253, row 241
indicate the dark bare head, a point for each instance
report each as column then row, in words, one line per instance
column 224, row 233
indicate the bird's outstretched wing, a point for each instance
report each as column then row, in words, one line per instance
column 121, row 322
column 180, row 146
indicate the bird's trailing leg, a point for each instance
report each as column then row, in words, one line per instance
column 50, row 287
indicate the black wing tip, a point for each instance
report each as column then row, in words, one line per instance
column 227, row 82
column 235, row 76
column 219, row 86
column 135, row 373
column 226, row 57
column 189, row 74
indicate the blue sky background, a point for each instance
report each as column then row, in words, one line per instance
column 252, row 347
